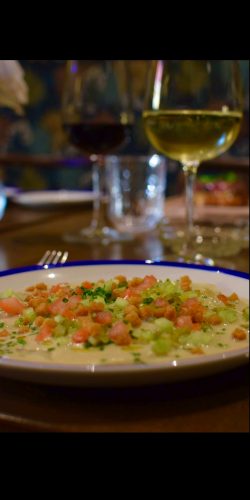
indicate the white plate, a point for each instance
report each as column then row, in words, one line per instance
column 123, row 375
column 52, row 198
column 10, row 191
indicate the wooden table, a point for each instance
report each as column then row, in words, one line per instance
column 219, row 403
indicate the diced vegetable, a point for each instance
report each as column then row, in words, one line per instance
column 227, row 315
column 164, row 325
column 162, row 346
column 11, row 305
column 59, row 331
column 246, row 313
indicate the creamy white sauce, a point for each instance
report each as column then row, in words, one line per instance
column 61, row 350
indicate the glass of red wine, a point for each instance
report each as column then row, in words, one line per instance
column 98, row 119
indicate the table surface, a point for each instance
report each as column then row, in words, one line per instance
column 218, row 403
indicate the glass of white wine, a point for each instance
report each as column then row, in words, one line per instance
column 192, row 113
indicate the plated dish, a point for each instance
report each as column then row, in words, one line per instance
column 121, row 322
column 52, row 198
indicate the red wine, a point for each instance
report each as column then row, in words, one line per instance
column 97, row 138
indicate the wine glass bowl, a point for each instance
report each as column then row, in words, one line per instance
column 97, row 117
column 192, row 113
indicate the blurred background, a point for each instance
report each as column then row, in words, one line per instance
column 36, row 139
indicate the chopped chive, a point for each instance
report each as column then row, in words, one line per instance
column 21, row 341
column 148, row 300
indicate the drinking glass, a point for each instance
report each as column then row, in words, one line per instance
column 136, row 192
column 97, row 117
column 192, row 113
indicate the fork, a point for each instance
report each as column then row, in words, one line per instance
column 53, row 257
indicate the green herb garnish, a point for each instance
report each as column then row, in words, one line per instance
column 21, row 341
column 148, row 300
column 94, row 294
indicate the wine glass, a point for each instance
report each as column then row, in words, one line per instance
column 97, row 117
column 192, row 113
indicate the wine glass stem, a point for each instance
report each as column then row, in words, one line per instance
column 190, row 172
column 99, row 218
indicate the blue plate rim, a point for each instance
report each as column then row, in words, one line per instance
column 18, row 270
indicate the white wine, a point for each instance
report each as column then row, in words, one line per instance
column 192, row 135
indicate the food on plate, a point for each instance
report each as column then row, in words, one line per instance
column 121, row 320
column 221, row 190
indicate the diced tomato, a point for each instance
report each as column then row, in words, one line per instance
column 82, row 335
column 69, row 314
column 11, row 305
column 119, row 333
column 88, row 328
column 184, row 321
column 121, row 278
column 185, row 283
column 45, row 331
column 239, row 334
column 132, row 295
column 214, row 319
column 146, row 311
column 191, row 304
column 55, row 288
column 64, row 308
column 160, row 302
column 136, row 287
column 59, row 287
column 147, row 282
column 159, row 312
column 170, row 312
column 4, row 333
column 134, row 282
column 223, row 298
column 194, row 308
column 74, row 299
column 196, row 326
column 96, row 306
column 133, row 318
column 197, row 350
column 81, row 310
column 103, row 317
column 58, row 307
column 87, row 284
column 233, row 297
column 119, row 292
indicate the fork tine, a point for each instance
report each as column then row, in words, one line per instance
column 53, row 257
column 44, row 258
column 57, row 257
column 64, row 257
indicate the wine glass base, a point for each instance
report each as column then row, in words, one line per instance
column 210, row 245
column 200, row 260
column 92, row 235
